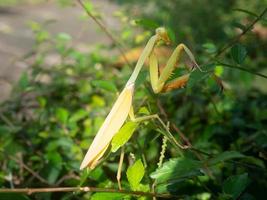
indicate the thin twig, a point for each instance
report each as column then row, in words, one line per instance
column 30, row 191
column 7, row 121
column 36, row 175
column 164, row 113
column 106, row 31
column 67, row 177
column 188, row 144
column 237, row 38
column 242, row 69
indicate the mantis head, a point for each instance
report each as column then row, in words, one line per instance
column 162, row 34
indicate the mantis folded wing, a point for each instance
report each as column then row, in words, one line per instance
column 111, row 125
column 122, row 106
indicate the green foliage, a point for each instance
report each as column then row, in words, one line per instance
column 238, row 53
column 23, row 83
column 146, row 23
column 104, row 196
column 106, row 85
column 227, row 155
column 135, row 173
column 123, row 135
column 183, row 168
column 177, row 169
column 235, row 185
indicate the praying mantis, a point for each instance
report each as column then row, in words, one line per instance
column 122, row 108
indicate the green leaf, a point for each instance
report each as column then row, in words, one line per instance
column 209, row 48
column 143, row 110
column 53, row 175
column 89, row 6
column 218, row 71
column 178, row 168
column 123, row 135
column 171, row 34
column 105, row 85
column 197, row 76
column 42, row 101
column 64, row 37
column 62, row 115
column 246, row 11
column 238, row 53
column 235, row 185
column 240, row 26
column 97, row 101
column 126, row 34
column 147, row 23
column 98, row 174
column 78, row 115
column 254, row 161
column 141, row 78
column 4, row 130
column 135, row 174
column 107, row 195
column 227, row 155
column 24, row 81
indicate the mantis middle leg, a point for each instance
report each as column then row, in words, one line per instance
column 166, row 132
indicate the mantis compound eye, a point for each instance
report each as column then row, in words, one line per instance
column 163, row 35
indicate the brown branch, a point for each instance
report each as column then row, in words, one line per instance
column 36, row 175
column 237, row 38
column 106, row 31
column 163, row 112
column 185, row 139
column 67, row 177
column 30, row 191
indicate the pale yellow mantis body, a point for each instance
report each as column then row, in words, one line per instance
column 122, row 107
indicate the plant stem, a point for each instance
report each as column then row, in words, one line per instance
column 30, row 191
column 236, row 38
column 33, row 173
column 242, row 69
column 106, row 31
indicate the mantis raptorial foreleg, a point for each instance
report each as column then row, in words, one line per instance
column 158, row 81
